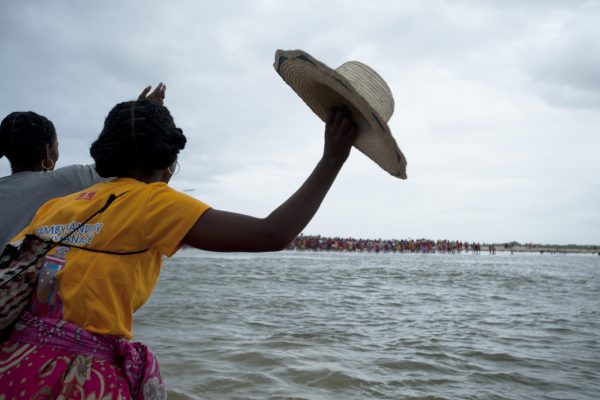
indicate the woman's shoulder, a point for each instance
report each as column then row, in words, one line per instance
column 59, row 182
column 83, row 175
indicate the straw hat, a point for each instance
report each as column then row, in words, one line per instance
column 355, row 85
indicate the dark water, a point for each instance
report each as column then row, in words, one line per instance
column 294, row 325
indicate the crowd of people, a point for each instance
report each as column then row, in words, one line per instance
column 321, row 243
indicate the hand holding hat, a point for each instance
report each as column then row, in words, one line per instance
column 356, row 86
column 340, row 133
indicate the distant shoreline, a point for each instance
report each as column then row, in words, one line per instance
column 322, row 243
column 545, row 249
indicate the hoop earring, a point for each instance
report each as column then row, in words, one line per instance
column 44, row 165
column 177, row 169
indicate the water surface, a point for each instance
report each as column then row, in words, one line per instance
column 318, row 325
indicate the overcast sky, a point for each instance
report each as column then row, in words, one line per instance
column 497, row 104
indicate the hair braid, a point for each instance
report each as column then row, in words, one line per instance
column 137, row 134
column 24, row 136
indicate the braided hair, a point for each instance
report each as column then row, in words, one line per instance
column 24, row 136
column 137, row 134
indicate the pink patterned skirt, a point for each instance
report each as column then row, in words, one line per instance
column 47, row 358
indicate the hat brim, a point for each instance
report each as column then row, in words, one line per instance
column 322, row 88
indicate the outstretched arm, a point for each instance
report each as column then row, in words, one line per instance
column 218, row 230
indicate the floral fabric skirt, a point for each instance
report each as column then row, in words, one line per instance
column 54, row 359
column 29, row 371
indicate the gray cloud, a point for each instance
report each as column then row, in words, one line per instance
column 496, row 104
column 564, row 63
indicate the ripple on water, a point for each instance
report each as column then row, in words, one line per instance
column 254, row 359
column 412, row 366
column 321, row 326
column 325, row 378
column 497, row 357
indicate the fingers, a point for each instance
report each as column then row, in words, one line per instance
column 339, row 120
column 161, row 91
column 353, row 132
column 157, row 95
column 142, row 95
column 334, row 112
column 340, row 132
column 330, row 115
column 157, row 92
column 346, row 124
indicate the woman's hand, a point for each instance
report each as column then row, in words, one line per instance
column 340, row 133
column 157, row 95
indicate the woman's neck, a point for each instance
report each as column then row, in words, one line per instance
column 20, row 168
column 158, row 175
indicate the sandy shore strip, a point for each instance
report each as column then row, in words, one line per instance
column 543, row 248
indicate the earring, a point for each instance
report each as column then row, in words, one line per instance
column 44, row 165
column 177, row 169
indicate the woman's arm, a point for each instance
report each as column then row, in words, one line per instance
column 218, row 230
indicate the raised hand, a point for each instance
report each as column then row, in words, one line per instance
column 157, row 95
column 340, row 133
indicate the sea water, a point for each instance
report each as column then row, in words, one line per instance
column 325, row 325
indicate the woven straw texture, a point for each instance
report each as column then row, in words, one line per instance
column 355, row 85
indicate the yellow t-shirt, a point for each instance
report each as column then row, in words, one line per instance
column 100, row 291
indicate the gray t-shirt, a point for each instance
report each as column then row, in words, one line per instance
column 21, row 194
